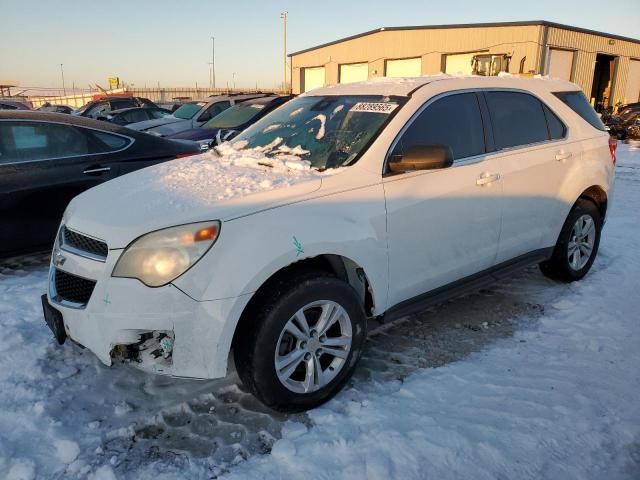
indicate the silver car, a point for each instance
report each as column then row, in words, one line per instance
column 191, row 115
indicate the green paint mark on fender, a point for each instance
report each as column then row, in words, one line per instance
column 298, row 246
column 106, row 300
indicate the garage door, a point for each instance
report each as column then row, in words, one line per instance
column 560, row 63
column 312, row 78
column 633, row 82
column 459, row 63
column 355, row 72
column 407, row 67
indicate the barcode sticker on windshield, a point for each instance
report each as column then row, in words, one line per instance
column 385, row 108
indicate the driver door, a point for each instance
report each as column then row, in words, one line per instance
column 443, row 225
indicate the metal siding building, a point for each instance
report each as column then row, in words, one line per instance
column 605, row 66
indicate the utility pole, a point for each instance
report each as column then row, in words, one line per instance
column 283, row 16
column 64, row 90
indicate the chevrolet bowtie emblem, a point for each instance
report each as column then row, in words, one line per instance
column 59, row 259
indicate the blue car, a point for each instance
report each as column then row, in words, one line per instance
column 232, row 121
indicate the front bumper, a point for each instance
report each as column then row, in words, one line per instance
column 120, row 312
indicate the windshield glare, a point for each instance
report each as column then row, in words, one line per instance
column 333, row 130
column 188, row 110
column 235, row 116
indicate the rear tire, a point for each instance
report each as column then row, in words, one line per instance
column 303, row 342
column 577, row 244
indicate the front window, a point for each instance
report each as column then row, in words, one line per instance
column 235, row 116
column 329, row 132
column 188, row 110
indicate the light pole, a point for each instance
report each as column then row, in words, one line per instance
column 64, row 90
column 213, row 61
column 283, row 16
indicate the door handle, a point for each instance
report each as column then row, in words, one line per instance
column 562, row 156
column 486, row 178
column 96, row 170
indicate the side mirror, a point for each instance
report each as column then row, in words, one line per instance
column 205, row 117
column 422, row 157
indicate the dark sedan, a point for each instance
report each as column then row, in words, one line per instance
column 102, row 106
column 46, row 159
column 232, row 121
column 133, row 115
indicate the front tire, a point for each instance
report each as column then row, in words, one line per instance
column 577, row 244
column 303, row 342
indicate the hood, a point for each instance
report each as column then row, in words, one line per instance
column 193, row 189
column 147, row 124
column 196, row 134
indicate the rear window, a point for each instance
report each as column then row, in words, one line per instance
column 579, row 104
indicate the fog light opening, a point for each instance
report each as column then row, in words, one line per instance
column 153, row 350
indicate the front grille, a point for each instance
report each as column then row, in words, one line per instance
column 72, row 288
column 83, row 243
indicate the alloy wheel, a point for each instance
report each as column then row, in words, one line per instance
column 581, row 242
column 313, row 346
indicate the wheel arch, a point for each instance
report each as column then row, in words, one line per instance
column 598, row 196
column 338, row 265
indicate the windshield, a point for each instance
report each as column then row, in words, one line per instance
column 235, row 116
column 188, row 110
column 332, row 131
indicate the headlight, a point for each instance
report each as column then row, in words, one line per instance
column 160, row 257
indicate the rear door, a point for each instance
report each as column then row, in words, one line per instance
column 443, row 225
column 42, row 167
column 535, row 158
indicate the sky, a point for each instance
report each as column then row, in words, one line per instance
column 168, row 42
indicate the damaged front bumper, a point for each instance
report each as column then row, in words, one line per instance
column 159, row 330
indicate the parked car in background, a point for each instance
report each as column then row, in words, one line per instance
column 133, row 115
column 47, row 107
column 98, row 108
column 172, row 106
column 13, row 105
column 232, row 121
column 191, row 115
column 48, row 158
column 351, row 201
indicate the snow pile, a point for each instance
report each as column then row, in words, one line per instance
column 231, row 171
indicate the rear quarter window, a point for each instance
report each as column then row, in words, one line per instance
column 577, row 102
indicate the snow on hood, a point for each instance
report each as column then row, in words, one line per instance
column 221, row 184
column 228, row 171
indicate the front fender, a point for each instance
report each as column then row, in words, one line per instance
column 251, row 249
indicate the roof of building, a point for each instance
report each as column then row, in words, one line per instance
column 403, row 87
column 472, row 25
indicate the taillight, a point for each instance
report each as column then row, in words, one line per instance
column 613, row 144
column 182, row 155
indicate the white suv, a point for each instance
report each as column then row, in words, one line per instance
column 348, row 202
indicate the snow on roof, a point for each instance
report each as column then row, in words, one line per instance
column 405, row 86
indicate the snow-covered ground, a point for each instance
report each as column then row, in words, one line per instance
column 527, row 379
